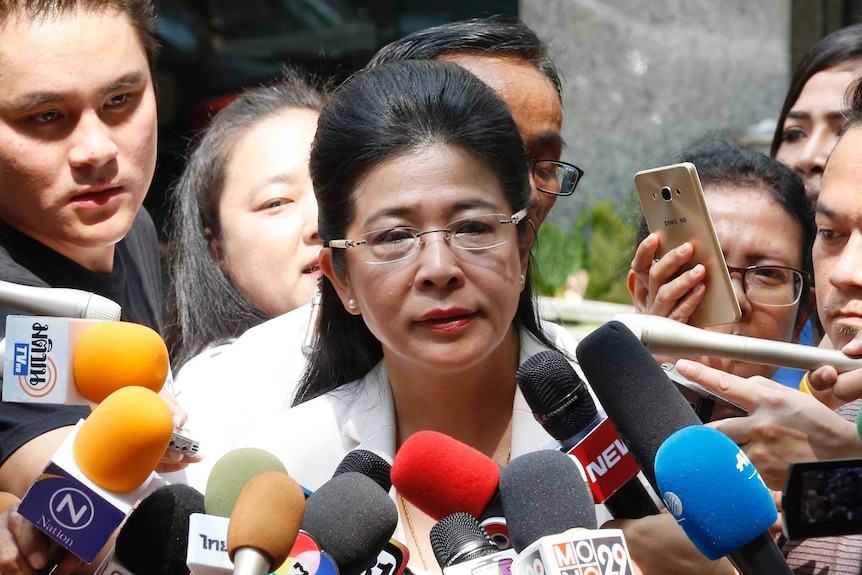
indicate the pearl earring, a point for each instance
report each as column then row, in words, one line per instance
column 351, row 303
column 523, row 279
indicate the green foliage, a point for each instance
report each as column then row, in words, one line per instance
column 558, row 253
column 602, row 242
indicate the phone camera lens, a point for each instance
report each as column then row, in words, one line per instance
column 665, row 194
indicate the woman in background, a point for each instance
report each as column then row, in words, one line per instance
column 767, row 247
column 244, row 251
column 243, row 240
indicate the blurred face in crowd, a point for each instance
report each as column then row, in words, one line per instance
column 77, row 131
column 814, row 123
column 837, row 252
column 268, row 214
column 535, row 107
column 764, row 234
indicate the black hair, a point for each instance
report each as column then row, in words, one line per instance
column 497, row 35
column 205, row 307
column 831, row 51
column 141, row 14
column 379, row 114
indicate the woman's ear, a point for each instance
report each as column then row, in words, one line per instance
column 341, row 282
column 214, row 243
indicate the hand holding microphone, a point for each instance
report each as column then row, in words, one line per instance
column 783, row 425
column 647, row 409
column 98, row 473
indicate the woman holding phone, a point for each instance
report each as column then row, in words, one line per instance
column 766, row 245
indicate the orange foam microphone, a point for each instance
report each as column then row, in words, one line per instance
column 116, row 354
column 122, row 441
column 7, row 500
column 264, row 523
column 102, row 468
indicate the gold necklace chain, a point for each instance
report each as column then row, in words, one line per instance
column 413, row 532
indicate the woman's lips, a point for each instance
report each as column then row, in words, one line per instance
column 447, row 321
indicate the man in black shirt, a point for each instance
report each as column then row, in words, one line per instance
column 77, row 155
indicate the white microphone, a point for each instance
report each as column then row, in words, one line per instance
column 58, row 302
column 663, row 335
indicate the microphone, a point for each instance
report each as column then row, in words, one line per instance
column 207, row 532
column 99, row 472
column 719, row 499
column 7, row 500
column 663, row 335
column 463, row 547
column 352, row 519
column 552, row 520
column 265, row 523
column 441, row 476
column 562, row 404
column 642, row 401
column 154, row 537
column 76, row 362
column 367, row 463
column 58, row 302
column 542, row 495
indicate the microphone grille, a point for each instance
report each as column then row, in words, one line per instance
column 458, row 538
column 102, row 308
column 367, row 463
column 557, row 396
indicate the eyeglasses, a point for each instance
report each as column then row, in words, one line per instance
column 776, row 286
column 472, row 234
column 555, row 177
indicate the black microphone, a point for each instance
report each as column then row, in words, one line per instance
column 367, row 463
column 461, row 545
column 552, row 520
column 562, row 404
column 155, row 536
column 352, row 519
column 647, row 409
column 541, row 498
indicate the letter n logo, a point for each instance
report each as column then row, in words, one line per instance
column 71, row 508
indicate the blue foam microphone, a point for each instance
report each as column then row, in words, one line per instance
column 719, row 499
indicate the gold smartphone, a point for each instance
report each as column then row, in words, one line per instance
column 673, row 205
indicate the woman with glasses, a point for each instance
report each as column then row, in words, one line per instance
column 427, row 309
column 765, row 225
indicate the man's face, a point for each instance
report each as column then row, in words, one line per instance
column 837, row 252
column 77, row 130
column 535, row 107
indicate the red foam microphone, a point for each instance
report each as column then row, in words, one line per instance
column 441, row 476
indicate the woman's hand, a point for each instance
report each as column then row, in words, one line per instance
column 174, row 460
column 783, row 425
column 654, row 287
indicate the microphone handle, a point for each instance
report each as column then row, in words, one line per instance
column 631, row 501
column 760, row 555
column 692, row 340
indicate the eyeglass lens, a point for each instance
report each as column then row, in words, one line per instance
column 471, row 234
column 772, row 285
column 555, row 177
